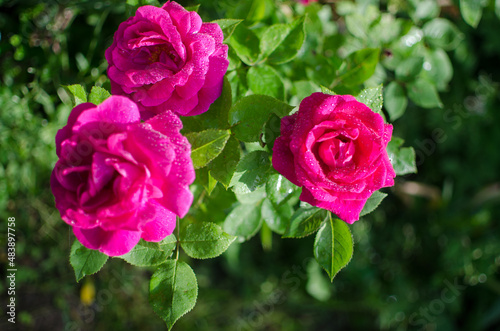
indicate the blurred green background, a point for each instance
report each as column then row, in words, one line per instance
column 427, row 259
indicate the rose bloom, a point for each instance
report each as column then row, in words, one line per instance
column 168, row 59
column 118, row 180
column 335, row 148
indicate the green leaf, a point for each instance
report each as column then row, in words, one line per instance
column 146, row 254
column 292, row 44
column 85, row 261
column 276, row 218
column 251, row 198
column 317, row 285
column 441, row 33
column 402, row 159
column 279, row 189
column 98, row 95
column 243, row 221
column 333, row 246
column 280, row 43
column 217, row 115
column 227, row 26
column 304, row 88
column 424, row 9
column 424, row 94
column 78, row 93
column 264, row 80
column 497, row 8
column 409, row 68
column 326, row 90
column 238, row 81
column 252, row 172
column 272, row 130
column 395, row 100
column 223, row 166
column 323, row 70
column 305, row 221
column 206, row 145
column 205, row 240
column 372, row 203
column 360, row 66
column 438, row 68
column 256, row 10
column 372, row 97
column 246, row 44
column 250, row 113
column 204, row 178
column 471, row 11
column 173, row 290
column 168, row 244
column 193, row 8
column 272, row 38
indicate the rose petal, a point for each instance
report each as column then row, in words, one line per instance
column 162, row 224
column 112, row 243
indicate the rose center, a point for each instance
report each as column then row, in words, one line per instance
column 166, row 55
column 337, row 152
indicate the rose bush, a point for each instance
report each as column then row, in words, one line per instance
column 118, row 180
column 168, row 59
column 335, row 148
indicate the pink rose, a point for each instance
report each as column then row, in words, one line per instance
column 118, row 180
column 168, row 59
column 335, row 148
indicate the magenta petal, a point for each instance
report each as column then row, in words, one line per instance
column 65, row 132
column 346, row 210
column 112, row 243
column 283, row 160
column 116, row 109
column 177, row 198
column 162, row 224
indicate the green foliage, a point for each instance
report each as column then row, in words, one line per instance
column 250, row 113
column 279, row 189
column 276, row 217
column 205, row 240
column 372, row 203
column 227, row 26
column 402, row 158
column 148, row 254
column 206, row 145
column 280, row 43
column 85, row 261
column 441, row 33
column 243, row 221
column 98, row 95
column 359, row 66
column 395, row 100
column 78, row 93
column 424, row 94
column 251, row 172
column 471, row 11
column 223, row 167
column 372, row 97
column 246, row 44
column 173, row 291
column 264, row 80
column 305, row 221
column 333, row 246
